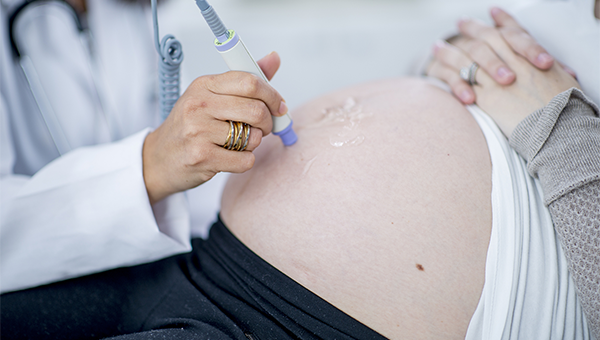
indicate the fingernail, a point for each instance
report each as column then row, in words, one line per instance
column 437, row 45
column 503, row 72
column 465, row 96
column 495, row 11
column 283, row 109
column 544, row 58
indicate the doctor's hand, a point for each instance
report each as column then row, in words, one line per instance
column 186, row 150
column 508, row 105
column 488, row 59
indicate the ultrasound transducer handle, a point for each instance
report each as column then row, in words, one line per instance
column 238, row 58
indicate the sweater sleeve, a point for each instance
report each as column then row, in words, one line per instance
column 561, row 144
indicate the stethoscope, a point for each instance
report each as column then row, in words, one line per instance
column 26, row 4
column 170, row 58
column 33, row 80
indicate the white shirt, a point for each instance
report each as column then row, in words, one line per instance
column 88, row 210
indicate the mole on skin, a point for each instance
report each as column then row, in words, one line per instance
column 420, row 267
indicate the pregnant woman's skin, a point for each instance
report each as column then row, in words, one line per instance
column 382, row 208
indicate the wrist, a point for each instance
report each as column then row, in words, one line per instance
column 150, row 169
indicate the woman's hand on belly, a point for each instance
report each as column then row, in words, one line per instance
column 538, row 80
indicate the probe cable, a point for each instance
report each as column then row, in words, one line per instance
column 170, row 55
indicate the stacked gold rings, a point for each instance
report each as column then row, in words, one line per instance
column 239, row 133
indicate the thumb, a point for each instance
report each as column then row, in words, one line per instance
column 270, row 64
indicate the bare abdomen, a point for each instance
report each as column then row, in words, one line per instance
column 382, row 208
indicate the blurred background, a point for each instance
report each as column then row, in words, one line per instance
column 324, row 44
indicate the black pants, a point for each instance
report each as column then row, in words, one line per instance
column 221, row 290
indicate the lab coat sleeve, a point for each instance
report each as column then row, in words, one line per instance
column 85, row 212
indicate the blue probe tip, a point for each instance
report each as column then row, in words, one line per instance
column 288, row 135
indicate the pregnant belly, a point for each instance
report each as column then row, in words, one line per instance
column 382, row 208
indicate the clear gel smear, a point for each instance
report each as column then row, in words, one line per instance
column 349, row 116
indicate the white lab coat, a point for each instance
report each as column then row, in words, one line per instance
column 88, row 210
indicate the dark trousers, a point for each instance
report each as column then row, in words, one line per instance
column 221, row 290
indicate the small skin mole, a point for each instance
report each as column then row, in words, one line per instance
column 420, row 267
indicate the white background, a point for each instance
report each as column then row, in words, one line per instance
column 324, row 44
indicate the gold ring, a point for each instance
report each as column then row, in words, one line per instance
column 236, row 128
column 226, row 144
column 239, row 134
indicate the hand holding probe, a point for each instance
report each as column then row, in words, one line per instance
column 237, row 58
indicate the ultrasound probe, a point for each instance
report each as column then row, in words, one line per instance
column 237, row 58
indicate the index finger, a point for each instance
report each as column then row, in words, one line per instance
column 490, row 35
column 520, row 41
column 247, row 85
column 503, row 19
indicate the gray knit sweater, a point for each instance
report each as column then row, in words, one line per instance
column 561, row 144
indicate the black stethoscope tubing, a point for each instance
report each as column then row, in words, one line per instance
column 35, row 87
column 22, row 7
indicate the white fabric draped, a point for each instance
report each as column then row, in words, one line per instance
column 528, row 291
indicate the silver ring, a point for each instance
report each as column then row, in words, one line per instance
column 247, row 137
column 468, row 73
column 240, row 131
